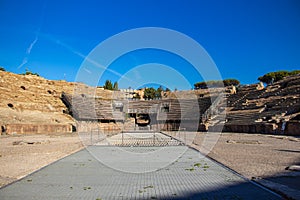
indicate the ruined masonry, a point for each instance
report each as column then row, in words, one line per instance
column 31, row 104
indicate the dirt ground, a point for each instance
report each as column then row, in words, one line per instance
column 252, row 155
column 255, row 155
column 23, row 154
column 262, row 158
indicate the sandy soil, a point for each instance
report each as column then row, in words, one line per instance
column 252, row 155
column 24, row 154
column 255, row 155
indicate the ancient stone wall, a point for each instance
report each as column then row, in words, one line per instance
column 251, row 128
column 37, row 128
column 32, row 104
column 292, row 128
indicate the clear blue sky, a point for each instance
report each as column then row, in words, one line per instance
column 245, row 38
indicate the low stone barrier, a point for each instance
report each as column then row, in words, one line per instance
column 292, row 128
column 37, row 128
column 251, row 128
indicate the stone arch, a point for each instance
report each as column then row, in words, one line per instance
column 142, row 119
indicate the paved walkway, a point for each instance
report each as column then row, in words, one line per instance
column 81, row 176
column 139, row 139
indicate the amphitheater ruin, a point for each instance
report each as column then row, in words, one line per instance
column 39, row 117
column 31, row 104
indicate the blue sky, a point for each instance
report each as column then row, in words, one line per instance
column 245, row 38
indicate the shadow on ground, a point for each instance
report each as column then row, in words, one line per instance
column 81, row 176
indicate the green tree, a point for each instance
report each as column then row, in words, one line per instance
column 295, row 72
column 200, row 85
column 216, row 83
column 276, row 76
column 208, row 84
column 108, row 85
column 116, row 86
column 229, row 82
column 149, row 93
column 2, row 69
column 158, row 92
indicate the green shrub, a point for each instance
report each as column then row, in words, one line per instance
column 27, row 72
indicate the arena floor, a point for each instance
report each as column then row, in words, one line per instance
column 138, row 172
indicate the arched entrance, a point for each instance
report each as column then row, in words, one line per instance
column 142, row 119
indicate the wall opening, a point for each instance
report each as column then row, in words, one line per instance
column 3, row 129
column 165, row 108
column 142, row 119
column 74, row 129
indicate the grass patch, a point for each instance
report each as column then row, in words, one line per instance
column 149, row 186
column 197, row 165
column 79, row 164
column 190, row 169
column 87, row 188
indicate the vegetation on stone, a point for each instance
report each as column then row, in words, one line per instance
column 197, row 165
column 27, row 72
column 276, row 76
column 2, row 69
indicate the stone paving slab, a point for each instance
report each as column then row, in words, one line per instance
column 81, row 176
column 138, row 139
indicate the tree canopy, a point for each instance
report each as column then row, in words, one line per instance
column 229, row 82
column 149, row 93
column 276, row 76
column 109, row 86
column 152, row 93
column 116, row 86
column 214, row 83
